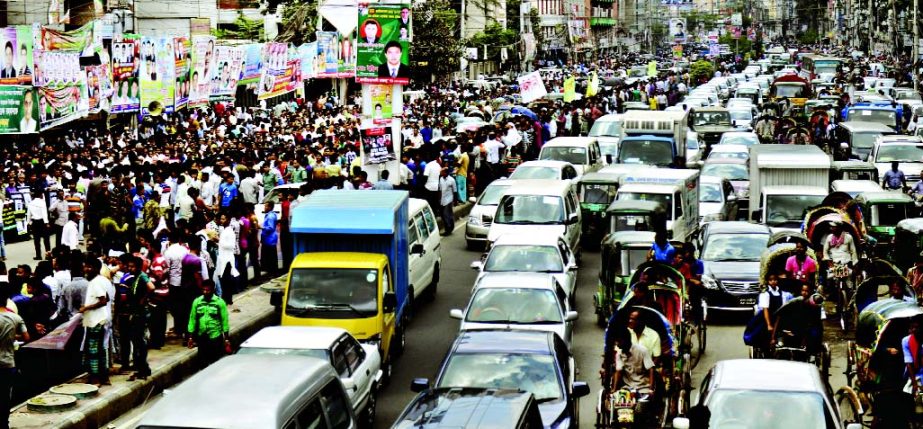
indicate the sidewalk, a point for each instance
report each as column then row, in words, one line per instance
column 169, row 365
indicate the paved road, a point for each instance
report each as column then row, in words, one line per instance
column 432, row 332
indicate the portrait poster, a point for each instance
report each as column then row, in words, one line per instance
column 126, row 89
column 17, row 61
column 377, row 145
column 203, row 51
column 18, row 109
column 228, row 63
column 383, row 43
column 382, row 103
column 253, row 64
column 182, row 58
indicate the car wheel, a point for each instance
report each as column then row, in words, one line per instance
column 400, row 341
column 370, row 408
column 433, row 286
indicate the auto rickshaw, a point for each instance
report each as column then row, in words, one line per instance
column 636, row 215
column 853, row 170
column 883, row 210
column 875, row 365
column 596, row 192
column 621, row 253
column 799, row 333
column 908, row 243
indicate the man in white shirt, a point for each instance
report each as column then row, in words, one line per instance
column 38, row 223
column 249, row 189
column 431, row 175
column 70, row 235
column 96, row 317
column 447, row 189
column 492, row 147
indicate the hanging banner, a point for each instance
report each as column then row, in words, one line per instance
column 531, row 87
column 202, row 62
column 99, row 88
column 280, row 74
column 228, row 63
column 182, row 54
column 382, row 104
column 570, row 89
column 346, row 61
column 678, row 30
column 308, row 54
column 18, row 110
column 377, row 145
column 78, row 40
column 16, row 68
column 253, row 64
column 58, row 68
column 126, row 96
column 328, row 53
column 60, row 105
column 384, row 44
column 156, row 73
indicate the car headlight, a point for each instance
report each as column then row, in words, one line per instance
column 709, row 282
column 474, row 220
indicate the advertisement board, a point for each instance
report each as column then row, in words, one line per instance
column 384, row 36
column 126, row 89
column 17, row 62
column 18, row 109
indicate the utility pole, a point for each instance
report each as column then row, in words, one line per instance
column 916, row 48
column 871, row 27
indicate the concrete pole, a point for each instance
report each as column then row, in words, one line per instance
column 916, row 47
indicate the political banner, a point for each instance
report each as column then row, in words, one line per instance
column 58, row 69
column 253, row 64
column 531, row 87
column 377, row 146
column 79, row 40
column 678, row 30
column 677, row 52
column 126, row 90
column 203, row 51
column 570, row 89
column 228, row 63
column 308, row 54
column 278, row 76
column 328, row 53
column 346, row 62
column 99, row 88
column 382, row 104
column 156, row 73
column 62, row 104
column 16, row 68
column 18, row 110
column 384, row 44
column 182, row 55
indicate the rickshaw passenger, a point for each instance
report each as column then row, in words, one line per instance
column 915, row 275
column 634, row 365
column 895, row 291
column 912, row 346
column 771, row 300
column 661, row 251
column 643, row 335
column 800, row 266
column 641, row 295
column 692, row 269
column 813, row 330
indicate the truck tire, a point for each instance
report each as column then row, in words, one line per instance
column 410, row 308
column 399, row 342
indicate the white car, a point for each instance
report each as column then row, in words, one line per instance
column 745, row 138
column 544, row 169
column 358, row 364
column 523, row 253
column 482, row 212
column 425, row 257
column 528, row 301
column 276, row 195
column 736, row 151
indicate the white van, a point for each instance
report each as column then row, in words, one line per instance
column 582, row 152
column 425, row 258
column 539, row 207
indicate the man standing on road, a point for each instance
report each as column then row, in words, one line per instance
column 269, row 237
column 447, row 200
column 59, row 216
column 38, row 223
column 208, row 325
column 133, row 318
column 432, row 173
column 96, row 318
column 12, row 328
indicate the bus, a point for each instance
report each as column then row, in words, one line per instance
column 819, row 67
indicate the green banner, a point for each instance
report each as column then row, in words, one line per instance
column 18, row 110
column 383, row 54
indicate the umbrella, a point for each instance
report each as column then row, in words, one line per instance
column 524, row 111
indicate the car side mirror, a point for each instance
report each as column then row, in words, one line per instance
column 417, row 249
column 608, row 158
column 680, row 423
column 456, row 314
column 419, row 384
column 571, row 316
column 275, row 298
column 573, row 267
column 389, row 302
column 472, row 200
column 572, row 219
column 580, row 389
column 476, row 265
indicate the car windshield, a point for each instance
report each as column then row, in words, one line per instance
column 789, row 208
column 711, row 118
column 514, row 305
column 632, row 258
column 532, row 373
column 524, row 258
column 606, row 129
column 727, row 171
column 530, row 209
column 886, row 214
column 535, row 172
column 789, row 410
column 907, row 95
column 734, row 247
column 744, row 139
column 333, row 293
column 741, row 115
column 649, row 152
column 899, row 152
column 884, row 117
column 492, row 195
column 572, row 154
column 864, row 140
column 315, row 353
column 720, row 154
column 664, row 199
column 597, row 193
column 631, row 223
column 791, row 91
column 710, row 193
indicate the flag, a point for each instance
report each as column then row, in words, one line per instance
column 570, row 89
column 592, row 87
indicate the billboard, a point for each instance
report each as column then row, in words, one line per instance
column 61, row 104
column 328, row 53
column 18, row 109
column 182, row 58
column 382, row 104
column 226, row 73
column 253, row 64
column 156, row 73
column 678, row 30
column 377, row 145
column 126, row 97
column 281, row 74
column 99, row 88
column 17, row 62
column 384, row 44
column 203, row 51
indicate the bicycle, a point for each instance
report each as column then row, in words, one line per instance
column 839, row 289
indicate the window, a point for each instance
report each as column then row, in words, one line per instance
column 354, row 354
column 386, row 279
column 677, row 206
column 335, row 405
column 413, row 234
column 421, row 228
column 430, row 220
column 340, row 363
column 311, row 417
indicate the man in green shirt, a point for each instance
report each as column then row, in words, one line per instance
column 270, row 178
column 208, row 325
column 298, row 173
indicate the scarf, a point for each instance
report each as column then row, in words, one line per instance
column 837, row 240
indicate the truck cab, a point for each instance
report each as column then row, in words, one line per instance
column 677, row 190
column 782, row 208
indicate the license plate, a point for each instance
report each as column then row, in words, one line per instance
column 748, row 301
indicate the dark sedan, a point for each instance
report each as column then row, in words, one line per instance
column 731, row 255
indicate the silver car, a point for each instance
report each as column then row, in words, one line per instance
column 482, row 213
column 532, row 253
column 529, row 301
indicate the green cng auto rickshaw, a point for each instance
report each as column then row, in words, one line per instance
column 596, row 190
column 908, row 243
column 853, row 170
column 882, row 212
column 636, row 215
column 621, row 252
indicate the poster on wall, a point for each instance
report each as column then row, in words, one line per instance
column 18, row 109
column 280, row 73
column 382, row 103
column 57, row 68
column 99, row 88
column 202, row 62
column 328, row 54
column 79, row 40
column 253, row 64
column 377, row 145
column 125, row 97
column 384, row 44
column 227, row 70
column 17, row 62
column 156, row 73
column 346, row 60
column 678, row 30
column 182, row 54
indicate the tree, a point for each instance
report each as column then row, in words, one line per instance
column 494, row 37
column 436, row 48
column 536, row 22
column 696, row 19
column 299, row 22
column 242, row 29
column 512, row 14
column 701, row 70
column 738, row 46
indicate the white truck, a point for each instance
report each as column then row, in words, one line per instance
column 653, row 138
column 676, row 189
column 785, row 181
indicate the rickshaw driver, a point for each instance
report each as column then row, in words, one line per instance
column 895, row 291
column 692, row 269
column 661, row 251
column 634, row 365
column 640, row 334
column 915, row 275
column 840, row 250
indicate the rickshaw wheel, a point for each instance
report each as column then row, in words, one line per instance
column 825, row 362
column 848, row 372
column 702, row 333
column 851, row 410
